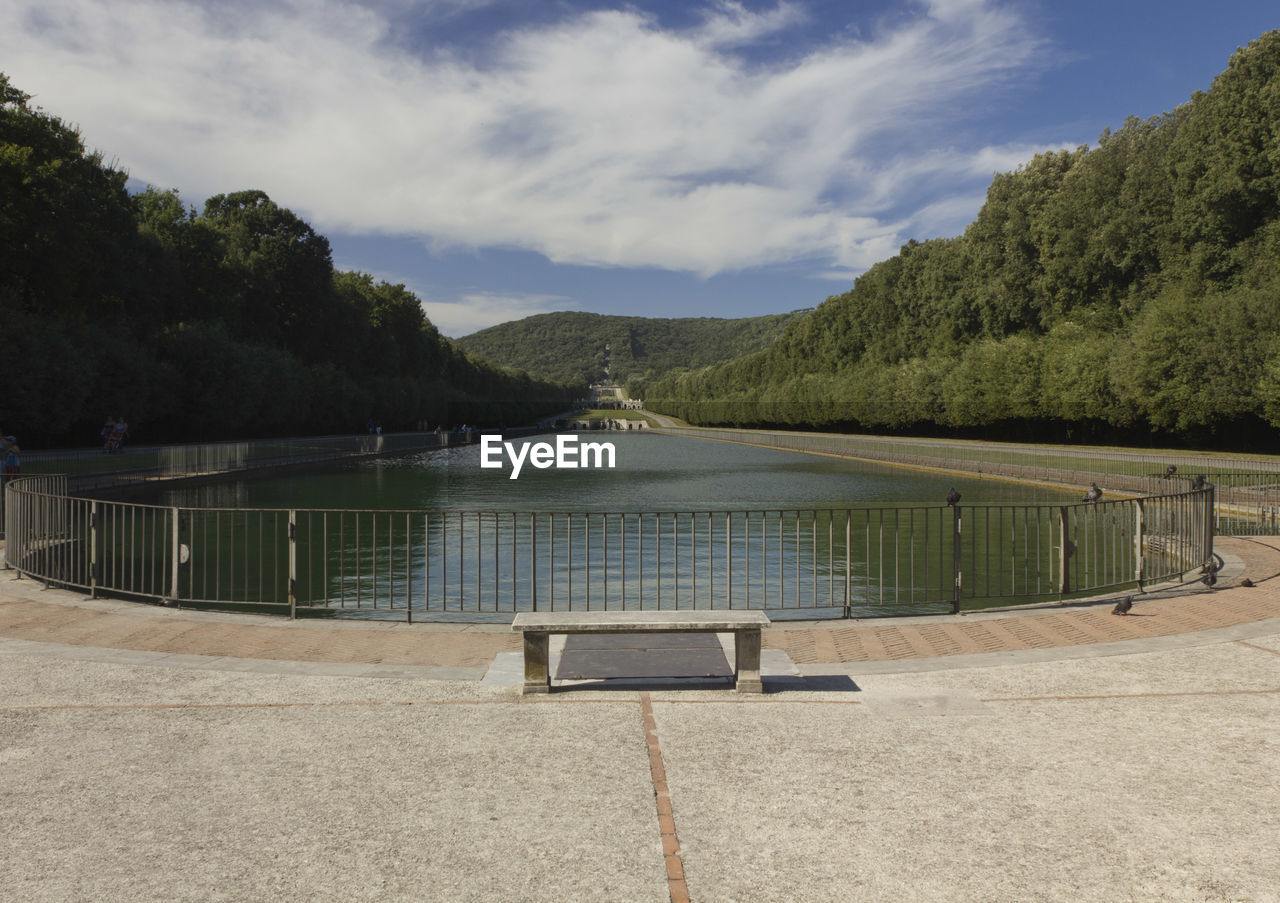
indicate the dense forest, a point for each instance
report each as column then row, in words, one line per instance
column 570, row 346
column 223, row 323
column 1129, row 290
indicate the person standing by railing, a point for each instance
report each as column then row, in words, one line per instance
column 12, row 463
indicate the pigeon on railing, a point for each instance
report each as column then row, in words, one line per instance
column 1170, row 471
column 1093, row 494
column 1198, row 483
column 953, row 498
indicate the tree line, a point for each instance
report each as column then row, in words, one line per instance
column 226, row 322
column 1121, row 291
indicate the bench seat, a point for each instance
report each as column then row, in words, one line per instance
column 537, row 628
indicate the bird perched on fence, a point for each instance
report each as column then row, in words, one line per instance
column 1093, row 494
column 1123, row 606
column 1198, row 483
column 1170, row 470
column 953, row 498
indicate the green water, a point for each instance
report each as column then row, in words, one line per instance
column 652, row 473
column 676, row 523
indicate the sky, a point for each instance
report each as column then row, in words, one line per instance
column 503, row 158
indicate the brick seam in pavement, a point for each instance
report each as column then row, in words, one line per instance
column 1259, row 648
column 677, row 887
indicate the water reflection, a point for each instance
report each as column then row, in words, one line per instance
column 405, row 543
column 653, row 473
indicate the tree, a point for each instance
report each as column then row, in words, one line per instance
column 65, row 218
column 284, row 267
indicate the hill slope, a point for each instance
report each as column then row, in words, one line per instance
column 570, row 346
column 1126, row 289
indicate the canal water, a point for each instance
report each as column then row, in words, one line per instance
column 651, row 472
column 673, row 523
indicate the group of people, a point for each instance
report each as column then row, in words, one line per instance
column 114, row 432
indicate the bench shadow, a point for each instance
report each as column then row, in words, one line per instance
column 816, row 683
column 819, row 683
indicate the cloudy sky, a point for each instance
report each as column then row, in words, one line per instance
column 510, row 157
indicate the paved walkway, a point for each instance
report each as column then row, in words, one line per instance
column 31, row 613
column 1061, row 754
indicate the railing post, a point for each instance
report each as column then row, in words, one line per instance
column 1139, row 542
column 176, row 551
column 93, row 550
column 957, row 525
column 728, row 555
column 293, row 564
column 1210, row 492
column 848, row 555
column 1064, row 551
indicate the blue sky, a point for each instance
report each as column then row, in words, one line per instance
column 510, row 157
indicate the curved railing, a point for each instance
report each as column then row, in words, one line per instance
column 811, row 562
column 93, row 469
column 1247, row 489
column 1022, row 460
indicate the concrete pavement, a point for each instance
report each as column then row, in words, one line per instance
column 1056, row 754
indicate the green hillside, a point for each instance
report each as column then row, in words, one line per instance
column 1123, row 290
column 570, row 346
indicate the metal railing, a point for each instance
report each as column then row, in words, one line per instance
column 1247, row 503
column 90, row 469
column 95, row 469
column 1247, row 488
column 1022, row 460
column 818, row 562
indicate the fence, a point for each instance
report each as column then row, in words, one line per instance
column 1247, row 503
column 89, row 469
column 817, row 562
column 1024, row 461
column 94, row 469
column 1247, row 496
column 1247, row 490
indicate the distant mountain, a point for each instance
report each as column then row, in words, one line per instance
column 570, row 347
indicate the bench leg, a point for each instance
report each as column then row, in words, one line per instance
column 537, row 662
column 746, row 661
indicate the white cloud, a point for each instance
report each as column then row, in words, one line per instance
column 601, row 139
column 729, row 24
column 480, row 310
column 474, row 310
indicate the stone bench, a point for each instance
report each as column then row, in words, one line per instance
column 537, row 628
